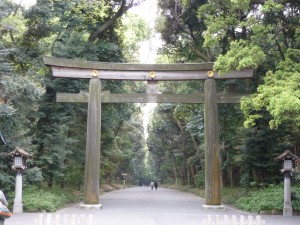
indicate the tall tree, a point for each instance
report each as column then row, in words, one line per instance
column 18, row 91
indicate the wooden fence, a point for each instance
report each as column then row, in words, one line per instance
column 232, row 220
column 64, row 219
column 88, row 219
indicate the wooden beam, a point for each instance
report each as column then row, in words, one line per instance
column 132, row 98
column 71, row 63
column 152, row 98
column 122, row 71
column 147, row 98
column 69, row 72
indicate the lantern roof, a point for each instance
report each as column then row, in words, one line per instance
column 286, row 155
column 20, row 151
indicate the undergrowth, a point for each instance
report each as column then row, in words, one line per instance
column 47, row 200
column 269, row 199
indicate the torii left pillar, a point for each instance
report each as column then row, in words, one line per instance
column 211, row 138
column 93, row 142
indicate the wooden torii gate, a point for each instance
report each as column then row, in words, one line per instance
column 152, row 73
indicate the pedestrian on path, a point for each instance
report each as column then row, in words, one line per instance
column 155, row 185
column 151, row 185
column 4, row 202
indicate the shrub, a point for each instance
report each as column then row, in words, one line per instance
column 48, row 200
column 267, row 199
column 200, row 179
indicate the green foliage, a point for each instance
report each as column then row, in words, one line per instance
column 19, row 92
column 48, row 200
column 272, row 6
column 267, row 199
column 182, row 32
column 132, row 32
column 200, row 179
column 231, row 195
column 279, row 95
column 241, row 55
column 91, row 12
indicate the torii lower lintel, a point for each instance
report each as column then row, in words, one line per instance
column 96, row 71
column 107, row 97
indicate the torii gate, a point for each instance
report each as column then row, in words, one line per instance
column 152, row 73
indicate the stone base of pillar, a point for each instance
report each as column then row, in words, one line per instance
column 287, row 211
column 90, row 206
column 18, row 208
column 213, row 207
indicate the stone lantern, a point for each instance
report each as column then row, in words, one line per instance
column 288, row 159
column 19, row 157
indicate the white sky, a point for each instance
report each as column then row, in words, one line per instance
column 148, row 50
column 26, row 3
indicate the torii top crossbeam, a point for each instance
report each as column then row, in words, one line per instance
column 125, row 71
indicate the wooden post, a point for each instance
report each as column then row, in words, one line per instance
column 93, row 140
column 212, row 171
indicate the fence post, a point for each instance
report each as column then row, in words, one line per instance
column 250, row 220
column 64, row 219
column 209, row 220
column 233, row 220
column 90, row 220
column 40, row 219
column 82, row 219
column 57, row 219
column 226, row 220
column 48, row 219
column 242, row 220
column 259, row 221
column 73, row 219
column 218, row 220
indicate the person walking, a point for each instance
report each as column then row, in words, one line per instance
column 151, row 185
column 155, row 185
column 4, row 202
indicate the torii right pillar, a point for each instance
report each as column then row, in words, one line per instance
column 212, row 168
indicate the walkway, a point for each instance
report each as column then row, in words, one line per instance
column 142, row 206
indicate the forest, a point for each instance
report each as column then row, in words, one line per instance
column 234, row 34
